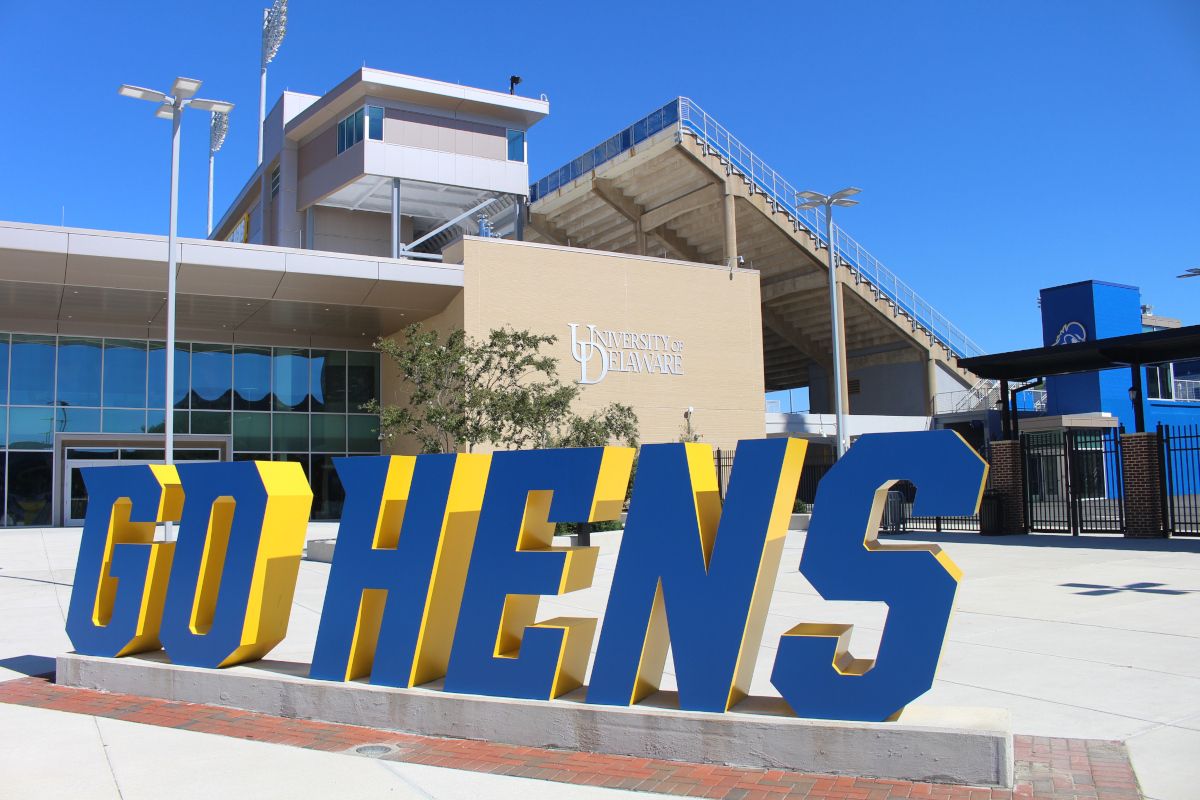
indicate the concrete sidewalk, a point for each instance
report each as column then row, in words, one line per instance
column 1094, row 637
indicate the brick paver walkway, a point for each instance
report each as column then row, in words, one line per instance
column 1052, row 769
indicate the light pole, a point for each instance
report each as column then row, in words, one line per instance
column 1190, row 272
column 273, row 29
column 828, row 201
column 171, row 107
column 217, row 128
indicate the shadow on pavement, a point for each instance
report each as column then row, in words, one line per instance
column 33, row 666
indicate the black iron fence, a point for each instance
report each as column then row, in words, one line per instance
column 1180, row 459
column 1073, row 481
column 817, row 462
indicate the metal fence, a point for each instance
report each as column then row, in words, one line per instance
column 899, row 517
column 1180, row 459
column 1073, row 481
column 816, row 464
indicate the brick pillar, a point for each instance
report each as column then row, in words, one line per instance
column 1141, row 463
column 1004, row 458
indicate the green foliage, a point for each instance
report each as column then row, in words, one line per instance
column 500, row 390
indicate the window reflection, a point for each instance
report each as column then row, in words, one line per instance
column 79, row 372
column 252, row 379
column 32, row 370
column 363, row 382
column 328, row 494
column 156, row 384
column 212, row 376
column 290, row 379
column 328, row 376
column 125, row 374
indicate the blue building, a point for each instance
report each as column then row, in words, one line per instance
column 1091, row 310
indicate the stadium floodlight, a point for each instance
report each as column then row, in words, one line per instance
column 139, row 93
column 273, row 28
column 218, row 127
column 1191, row 272
column 171, row 107
column 828, row 201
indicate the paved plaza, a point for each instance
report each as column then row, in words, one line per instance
column 1089, row 638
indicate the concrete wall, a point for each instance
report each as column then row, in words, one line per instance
column 890, row 389
column 413, row 129
column 543, row 288
column 360, row 232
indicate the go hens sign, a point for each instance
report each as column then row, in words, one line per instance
column 441, row 561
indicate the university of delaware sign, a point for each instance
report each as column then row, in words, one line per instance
column 599, row 351
column 441, row 561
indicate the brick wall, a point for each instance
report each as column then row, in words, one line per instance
column 1004, row 458
column 1141, row 465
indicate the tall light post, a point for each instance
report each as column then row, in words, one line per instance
column 1190, row 272
column 828, row 201
column 217, row 128
column 171, row 107
column 273, row 29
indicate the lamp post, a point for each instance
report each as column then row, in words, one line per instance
column 171, row 107
column 806, row 200
column 217, row 128
column 273, row 28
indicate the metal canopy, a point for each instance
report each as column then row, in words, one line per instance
column 1156, row 347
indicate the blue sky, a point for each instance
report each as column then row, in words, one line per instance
column 1001, row 147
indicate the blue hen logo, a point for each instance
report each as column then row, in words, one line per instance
column 1071, row 333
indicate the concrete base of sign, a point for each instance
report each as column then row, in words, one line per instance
column 960, row 746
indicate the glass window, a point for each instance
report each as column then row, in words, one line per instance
column 155, row 418
column 3, row 441
column 3, row 382
column 156, row 385
column 291, row 432
column 328, row 494
column 30, row 428
column 329, row 433
column 363, row 433
column 30, row 477
column 516, row 145
column 32, row 370
column 252, row 379
column 80, row 420
column 212, row 376
column 363, row 382
column 328, row 371
column 375, row 119
column 275, row 181
column 350, row 131
column 79, row 372
column 124, row 420
column 290, row 379
column 251, row 431
column 212, row 422
column 125, row 373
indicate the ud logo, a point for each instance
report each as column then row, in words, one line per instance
column 589, row 353
column 1071, row 333
column 603, row 350
column 441, row 561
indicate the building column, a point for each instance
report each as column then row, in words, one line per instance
column 396, row 234
column 1141, row 469
column 640, row 235
column 1004, row 460
column 731, row 245
column 310, row 228
column 931, row 391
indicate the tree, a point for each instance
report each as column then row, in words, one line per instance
column 500, row 390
